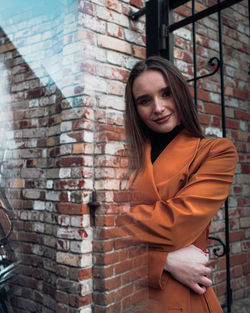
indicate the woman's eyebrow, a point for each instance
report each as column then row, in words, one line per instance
column 141, row 97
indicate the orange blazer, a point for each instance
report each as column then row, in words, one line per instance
column 176, row 197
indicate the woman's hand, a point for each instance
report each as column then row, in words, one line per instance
column 189, row 266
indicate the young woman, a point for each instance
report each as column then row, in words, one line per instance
column 181, row 180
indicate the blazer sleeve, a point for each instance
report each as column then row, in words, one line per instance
column 177, row 222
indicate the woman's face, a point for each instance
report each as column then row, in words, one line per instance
column 154, row 102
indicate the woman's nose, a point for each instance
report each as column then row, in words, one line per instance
column 158, row 106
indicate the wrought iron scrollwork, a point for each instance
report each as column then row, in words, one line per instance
column 218, row 249
column 213, row 61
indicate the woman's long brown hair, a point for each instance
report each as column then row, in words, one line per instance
column 136, row 130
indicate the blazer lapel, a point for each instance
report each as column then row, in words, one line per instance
column 176, row 157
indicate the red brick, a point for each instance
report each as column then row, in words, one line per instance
column 236, row 235
column 107, row 258
column 238, row 259
column 245, row 168
column 123, row 267
column 103, row 246
column 246, row 268
column 237, row 271
column 102, row 220
column 212, row 108
column 204, row 118
column 232, row 124
column 242, row 115
column 124, row 292
column 71, row 161
column 137, row 3
column 108, row 233
column 240, row 94
column 72, row 208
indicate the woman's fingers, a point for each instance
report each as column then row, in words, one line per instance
column 206, row 282
column 207, row 271
column 200, row 290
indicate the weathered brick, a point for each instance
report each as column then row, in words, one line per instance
column 114, row 44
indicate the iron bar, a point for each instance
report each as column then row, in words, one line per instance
column 194, row 56
column 135, row 15
column 213, row 9
column 223, row 115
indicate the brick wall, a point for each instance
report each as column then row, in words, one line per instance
column 63, row 131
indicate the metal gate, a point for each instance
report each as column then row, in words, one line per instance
column 159, row 41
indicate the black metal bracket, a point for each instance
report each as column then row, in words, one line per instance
column 93, row 205
column 135, row 15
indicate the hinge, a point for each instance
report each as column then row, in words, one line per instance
column 164, row 36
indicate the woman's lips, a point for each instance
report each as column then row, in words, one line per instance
column 162, row 119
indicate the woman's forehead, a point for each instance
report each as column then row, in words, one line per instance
column 149, row 81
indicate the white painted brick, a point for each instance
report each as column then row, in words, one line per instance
column 34, row 103
column 81, row 246
column 92, row 23
column 182, row 66
column 64, row 172
column 114, row 148
column 183, row 33
column 117, row 58
column 86, row 310
column 94, row 83
column 94, row 53
column 65, row 149
column 50, row 206
column 65, row 138
column 113, row 102
column 66, row 126
column 52, row 195
column 64, row 220
column 232, row 102
column 86, row 285
column 38, row 227
column 49, row 184
column 215, row 97
column 107, row 184
column 88, row 136
column 38, row 205
column 133, row 37
column 243, row 125
column 80, row 221
column 213, row 131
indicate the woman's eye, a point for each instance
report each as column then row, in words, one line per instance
column 144, row 101
column 166, row 93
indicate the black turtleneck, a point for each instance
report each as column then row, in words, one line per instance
column 159, row 141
